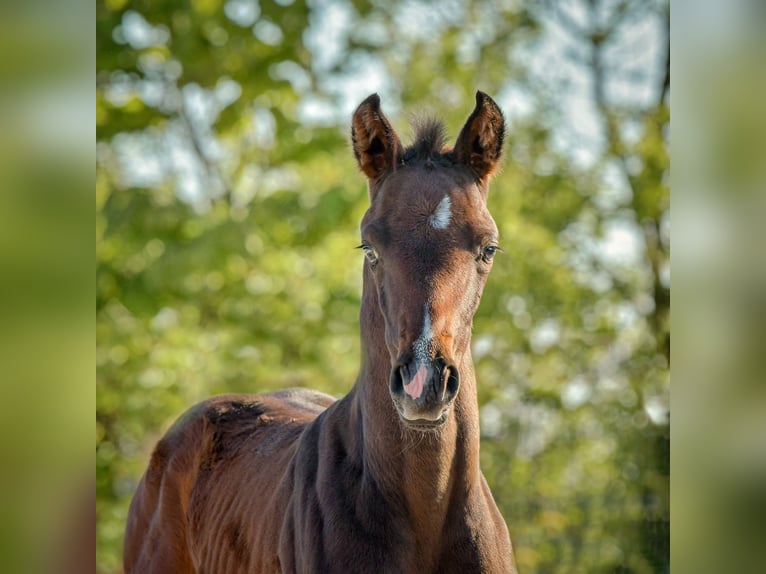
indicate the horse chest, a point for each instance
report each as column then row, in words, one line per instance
column 359, row 532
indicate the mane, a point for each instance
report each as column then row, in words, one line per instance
column 429, row 141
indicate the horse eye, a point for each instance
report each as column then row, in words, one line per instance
column 489, row 252
column 370, row 254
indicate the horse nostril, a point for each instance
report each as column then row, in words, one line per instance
column 452, row 379
column 397, row 380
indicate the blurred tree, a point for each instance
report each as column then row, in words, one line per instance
column 227, row 213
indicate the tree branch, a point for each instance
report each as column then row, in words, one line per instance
column 212, row 169
column 666, row 76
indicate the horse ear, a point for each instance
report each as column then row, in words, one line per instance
column 376, row 146
column 480, row 143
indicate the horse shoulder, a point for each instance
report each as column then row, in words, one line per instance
column 244, row 493
column 156, row 538
column 500, row 545
column 229, row 452
column 476, row 539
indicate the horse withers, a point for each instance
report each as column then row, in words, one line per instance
column 386, row 479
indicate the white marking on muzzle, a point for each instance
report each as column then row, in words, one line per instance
column 442, row 215
column 423, row 343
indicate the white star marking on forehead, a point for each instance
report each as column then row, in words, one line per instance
column 442, row 215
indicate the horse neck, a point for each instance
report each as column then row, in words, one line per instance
column 424, row 470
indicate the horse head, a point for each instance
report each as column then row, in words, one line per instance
column 429, row 242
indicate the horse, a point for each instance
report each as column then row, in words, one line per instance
column 387, row 478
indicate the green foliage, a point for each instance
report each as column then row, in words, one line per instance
column 252, row 282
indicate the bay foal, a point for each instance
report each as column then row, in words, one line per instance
column 386, row 479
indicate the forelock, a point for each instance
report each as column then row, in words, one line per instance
column 429, row 141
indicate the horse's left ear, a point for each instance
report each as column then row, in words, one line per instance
column 480, row 143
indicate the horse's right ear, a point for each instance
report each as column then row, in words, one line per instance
column 376, row 146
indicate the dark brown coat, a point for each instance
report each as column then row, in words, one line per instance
column 386, row 479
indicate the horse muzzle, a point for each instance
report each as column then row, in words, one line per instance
column 423, row 392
